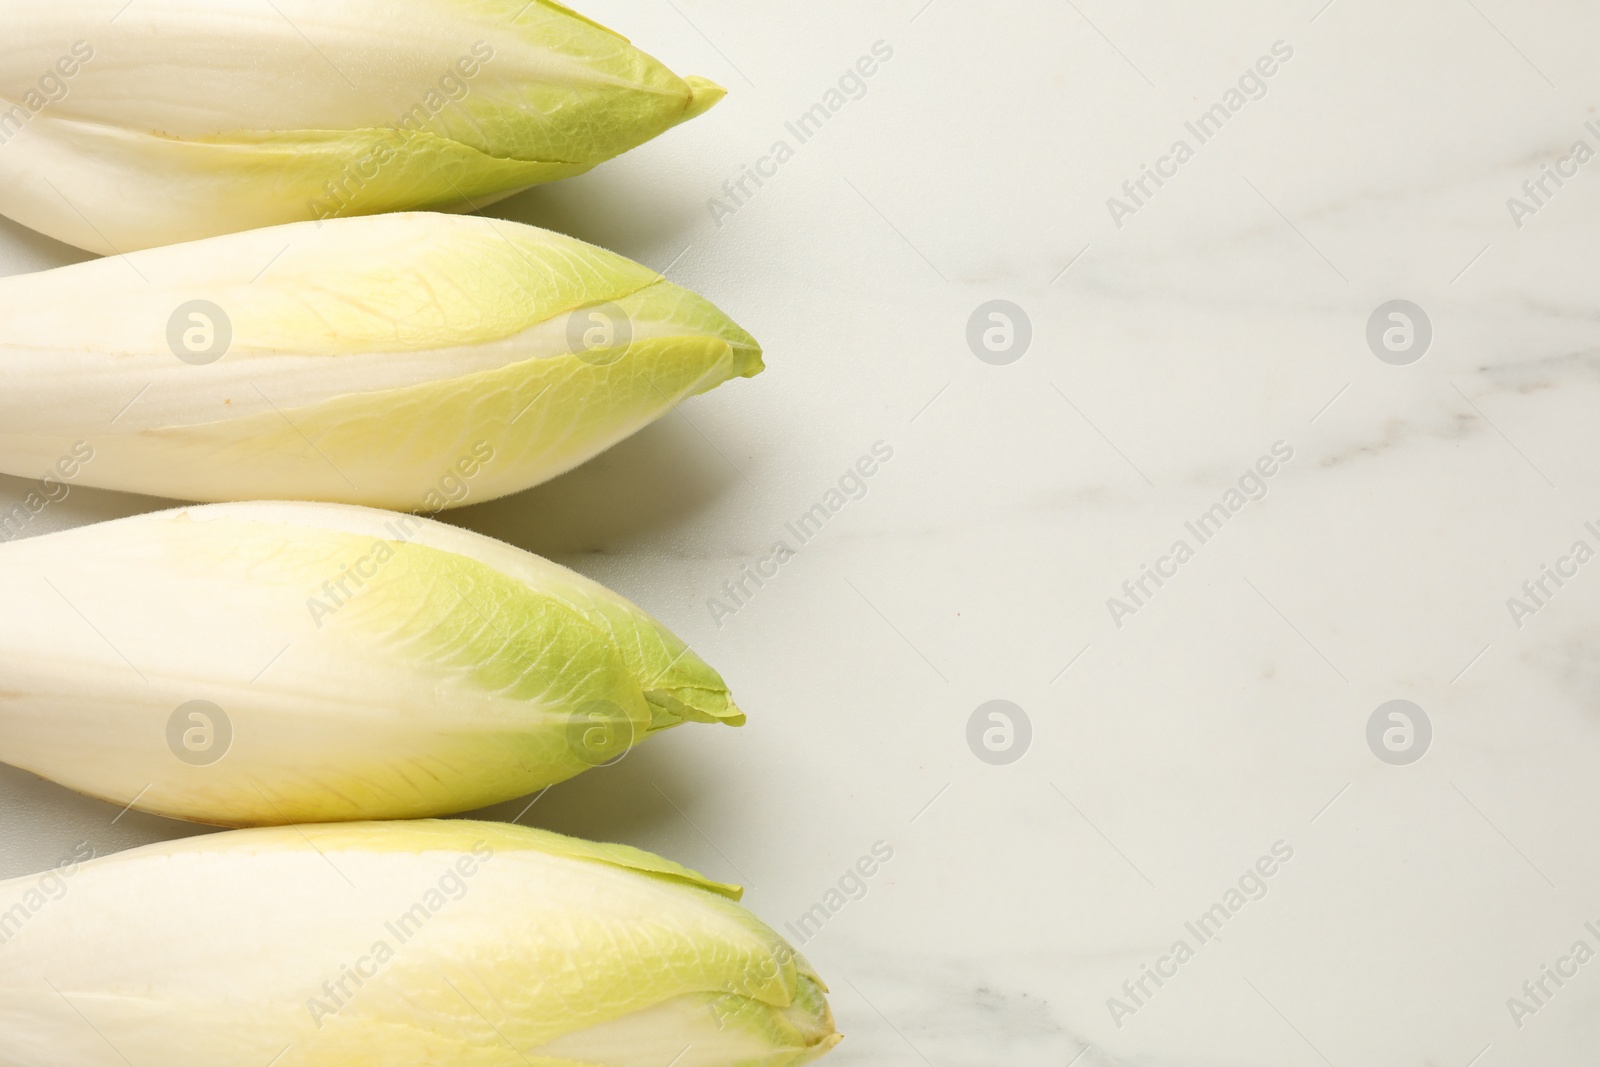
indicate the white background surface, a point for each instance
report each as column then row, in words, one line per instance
column 1229, row 713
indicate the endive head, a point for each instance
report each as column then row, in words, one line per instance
column 276, row 663
column 249, row 115
column 437, row 942
column 413, row 361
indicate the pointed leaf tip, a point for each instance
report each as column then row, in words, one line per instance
column 704, row 94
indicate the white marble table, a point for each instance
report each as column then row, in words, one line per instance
column 1201, row 730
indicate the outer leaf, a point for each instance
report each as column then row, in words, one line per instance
column 396, row 944
column 251, row 115
column 355, row 664
column 414, row 362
